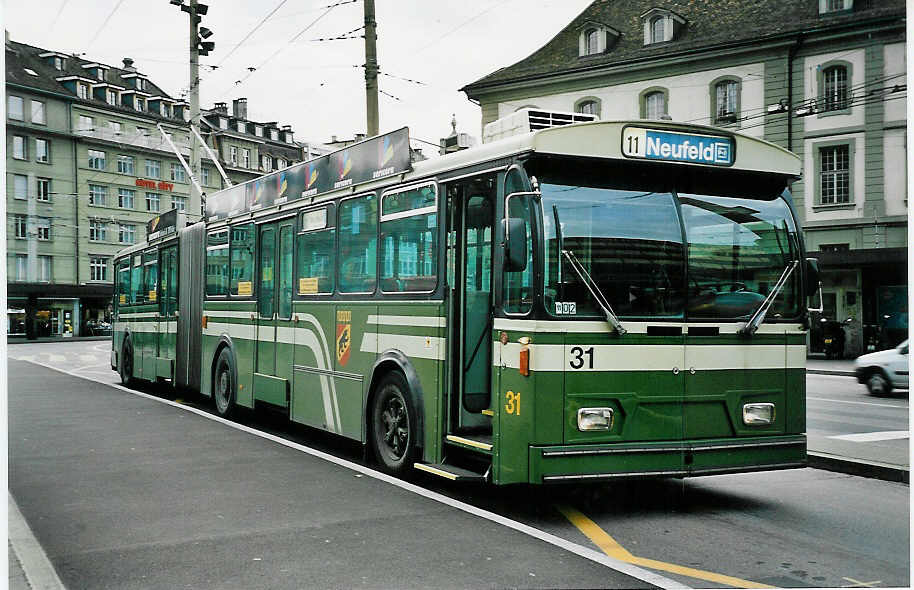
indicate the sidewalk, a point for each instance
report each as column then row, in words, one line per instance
column 23, row 340
column 820, row 366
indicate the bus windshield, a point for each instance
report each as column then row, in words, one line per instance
column 666, row 248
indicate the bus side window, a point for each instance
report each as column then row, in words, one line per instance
column 151, row 272
column 316, row 250
column 136, row 280
column 123, row 281
column 242, row 260
column 217, row 262
column 517, row 285
column 358, row 244
column 409, row 240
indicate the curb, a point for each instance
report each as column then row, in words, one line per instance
column 869, row 469
column 830, row 372
column 10, row 341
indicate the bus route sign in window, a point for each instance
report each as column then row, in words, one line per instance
column 673, row 146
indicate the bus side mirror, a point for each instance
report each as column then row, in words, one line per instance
column 516, row 245
column 812, row 276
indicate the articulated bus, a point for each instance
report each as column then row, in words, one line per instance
column 585, row 302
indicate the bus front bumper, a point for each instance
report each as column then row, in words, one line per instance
column 594, row 462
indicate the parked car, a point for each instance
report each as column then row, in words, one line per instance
column 884, row 370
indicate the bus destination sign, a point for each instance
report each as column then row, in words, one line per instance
column 673, row 146
column 378, row 157
column 166, row 224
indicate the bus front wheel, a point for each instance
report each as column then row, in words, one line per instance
column 393, row 422
column 224, row 384
column 126, row 368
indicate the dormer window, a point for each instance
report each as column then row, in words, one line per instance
column 596, row 38
column 240, row 126
column 827, row 6
column 82, row 90
column 258, row 131
column 163, row 109
column 661, row 26
column 138, row 105
column 111, row 97
column 58, row 63
column 274, row 134
column 139, row 83
column 223, row 123
column 100, row 74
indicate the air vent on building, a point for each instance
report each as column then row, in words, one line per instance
column 528, row 120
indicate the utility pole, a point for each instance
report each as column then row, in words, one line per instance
column 371, row 68
column 194, row 102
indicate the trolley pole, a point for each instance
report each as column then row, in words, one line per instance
column 194, row 103
column 371, row 68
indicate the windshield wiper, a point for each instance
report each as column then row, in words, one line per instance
column 595, row 292
column 759, row 316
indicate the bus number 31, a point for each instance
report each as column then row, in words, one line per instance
column 578, row 354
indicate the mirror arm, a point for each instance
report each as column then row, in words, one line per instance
column 821, row 307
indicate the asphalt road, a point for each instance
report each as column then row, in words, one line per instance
column 792, row 528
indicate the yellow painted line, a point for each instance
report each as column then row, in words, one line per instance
column 487, row 413
column 612, row 548
column 432, row 470
column 470, row 442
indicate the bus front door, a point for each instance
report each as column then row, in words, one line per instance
column 168, row 312
column 273, row 365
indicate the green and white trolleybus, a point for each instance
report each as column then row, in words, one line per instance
column 589, row 301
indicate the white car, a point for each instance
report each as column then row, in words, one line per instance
column 884, row 370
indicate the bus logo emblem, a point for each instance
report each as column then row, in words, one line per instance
column 343, row 336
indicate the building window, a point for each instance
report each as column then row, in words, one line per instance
column 20, row 186
column 240, row 126
column 177, row 173
column 834, row 175
column 726, row 103
column 86, row 123
column 43, row 229
column 153, row 168
column 654, row 104
column 98, row 268
column 204, row 173
column 163, row 110
column 826, row 6
column 267, row 162
column 82, row 91
column 281, row 163
column 111, row 97
column 223, row 123
column 20, row 224
column 20, row 147
column 125, row 164
column 14, row 108
column 98, row 231
column 288, row 136
column 42, row 151
column 96, row 160
column 126, row 234
column 22, row 267
column 179, row 203
column 39, row 115
column 591, row 41
column 152, row 201
column 98, row 194
column 274, row 134
column 258, row 131
column 44, row 269
column 58, row 63
column 139, row 105
column 834, row 88
column 125, row 198
column 233, row 158
column 588, row 106
column 657, row 29
column 44, row 189
column 246, row 158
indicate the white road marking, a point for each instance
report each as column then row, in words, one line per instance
column 579, row 550
column 873, row 436
column 845, row 401
column 34, row 561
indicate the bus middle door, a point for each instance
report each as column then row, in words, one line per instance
column 168, row 312
column 274, row 356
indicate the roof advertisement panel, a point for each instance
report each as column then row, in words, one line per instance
column 375, row 158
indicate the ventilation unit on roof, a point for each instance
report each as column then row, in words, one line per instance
column 528, row 120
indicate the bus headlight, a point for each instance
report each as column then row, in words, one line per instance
column 758, row 414
column 595, row 419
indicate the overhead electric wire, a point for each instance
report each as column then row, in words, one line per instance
column 461, row 25
column 252, row 31
column 57, row 16
column 101, row 28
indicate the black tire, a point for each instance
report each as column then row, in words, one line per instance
column 878, row 384
column 224, row 384
column 125, row 366
column 393, row 425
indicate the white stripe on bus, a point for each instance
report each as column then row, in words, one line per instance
column 423, row 347
column 134, row 315
column 408, row 320
column 600, row 326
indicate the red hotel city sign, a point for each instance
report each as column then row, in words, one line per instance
column 161, row 185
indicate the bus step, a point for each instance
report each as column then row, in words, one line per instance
column 480, row 443
column 450, row 472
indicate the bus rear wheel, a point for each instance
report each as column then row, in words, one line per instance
column 126, row 364
column 224, row 384
column 393, row 436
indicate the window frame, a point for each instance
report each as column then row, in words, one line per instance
column 10, row 111
column 227, row 246
column 377, row 235
column 643, row 97
column 126, row 229
column 713, row 89
column 42, row 158
column 96, row 263
column 43, row 229
column 123, row 195
column 818, row 149
column 129, row 164
column 42, row 196
column 101, row 162
column 821, row 72
column 156, row 166
column 23, row 141
column 330, row 224
column 44, row 260
column 24, row 180
column 153, row 198
column 431, row 209
column 254, row 260
column 103, row 194
column 99, row 228
column 43, row 110
column 581, row 102
column 20, row 222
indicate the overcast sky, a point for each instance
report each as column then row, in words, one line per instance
column 316, row 86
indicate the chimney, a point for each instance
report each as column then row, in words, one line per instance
column 221, row 107
column 359, row 136
column 128, row 64
column 333, row 139
column 240, row 108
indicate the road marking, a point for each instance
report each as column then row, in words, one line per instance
column 844, row 401
column 612, row 548
column 34, row 561
column 873, row 436
column 859, row 584
column 579, row 550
